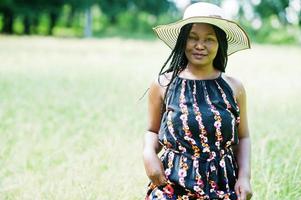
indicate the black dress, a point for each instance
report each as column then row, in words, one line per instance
column 197, row 130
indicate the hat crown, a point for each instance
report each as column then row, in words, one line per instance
column 202, row 9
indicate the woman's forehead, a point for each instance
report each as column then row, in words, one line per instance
column 202, row 28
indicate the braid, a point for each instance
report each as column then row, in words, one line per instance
column 221, row 59
column 177, row 58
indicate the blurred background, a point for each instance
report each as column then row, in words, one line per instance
column 278, row 20
column 73, row 113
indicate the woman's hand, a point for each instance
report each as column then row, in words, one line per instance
column 154, row 168
column 153, row 165
column 243, row 188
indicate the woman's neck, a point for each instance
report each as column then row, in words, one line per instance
column 200, row 72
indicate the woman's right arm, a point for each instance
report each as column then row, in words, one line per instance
column 151, row 146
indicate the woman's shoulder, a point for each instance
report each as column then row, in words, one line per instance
column 160, row 83
column 163, row 80
column 235, row 84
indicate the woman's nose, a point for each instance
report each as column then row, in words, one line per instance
column 200, row 44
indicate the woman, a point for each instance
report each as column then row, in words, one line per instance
column 197, row 113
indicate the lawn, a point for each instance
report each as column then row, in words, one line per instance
column 71, row 122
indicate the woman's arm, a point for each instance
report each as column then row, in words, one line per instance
column 151, row 146
column 243, row 186
column 244, row 146
column 152, row 164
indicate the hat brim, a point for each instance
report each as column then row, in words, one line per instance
column 237, row 38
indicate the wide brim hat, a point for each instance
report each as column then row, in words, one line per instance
column 205, row 13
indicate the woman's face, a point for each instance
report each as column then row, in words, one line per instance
column 202, row 45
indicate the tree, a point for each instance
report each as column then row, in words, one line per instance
column 82, row 6
column 32, row 10
column 6, row 8
column 154, row 7
column 111, row 8
column 268, row 8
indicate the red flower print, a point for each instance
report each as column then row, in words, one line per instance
column 168, row 189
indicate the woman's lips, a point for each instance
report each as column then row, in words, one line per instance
column 199, row 55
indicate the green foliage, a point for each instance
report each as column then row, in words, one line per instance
column 133, row 25
column 18, row 26
column 268, row 8
column 141, row 22
column 100, row 24
column 129, row 18
column 145, row 21
column 276, row 36
column 127, row 21
column 111, row 8
column 155, row 7
column 1, row 21
column 44, row 21
column 267, row 33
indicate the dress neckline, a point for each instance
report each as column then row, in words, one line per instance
column 212, row 79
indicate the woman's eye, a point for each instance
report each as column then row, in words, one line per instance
column 210, row 40
column 192, row 38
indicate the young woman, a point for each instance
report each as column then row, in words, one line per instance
column 197, row 113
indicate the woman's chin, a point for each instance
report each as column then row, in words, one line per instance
column 199, row 63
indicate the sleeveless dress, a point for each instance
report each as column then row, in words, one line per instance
column 197, row 132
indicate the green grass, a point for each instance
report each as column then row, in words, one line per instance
column 71, row 123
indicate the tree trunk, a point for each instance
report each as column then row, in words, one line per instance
column 8, row 21
column 88, row 23
column 70, row 17
column 26, row 25
column 113, row 19
column 53, row 18
column 35, row 23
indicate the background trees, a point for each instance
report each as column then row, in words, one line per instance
column 115, row 17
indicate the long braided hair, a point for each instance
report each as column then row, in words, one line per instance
column 178, row 60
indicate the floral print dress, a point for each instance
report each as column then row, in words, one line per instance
column 197, row 130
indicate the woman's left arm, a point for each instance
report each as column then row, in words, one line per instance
column 243, row 186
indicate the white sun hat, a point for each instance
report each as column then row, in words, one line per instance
column 205, row 13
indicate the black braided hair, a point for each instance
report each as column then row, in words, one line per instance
column 221, row 59
column 178, row 60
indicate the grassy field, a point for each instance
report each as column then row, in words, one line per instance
column 71, row 122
